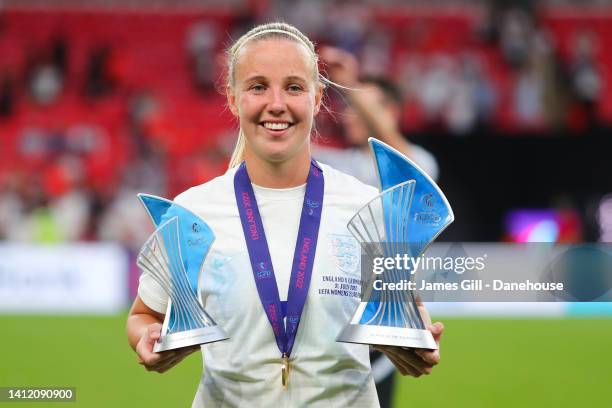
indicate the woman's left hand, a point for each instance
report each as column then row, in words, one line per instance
column 416, row 362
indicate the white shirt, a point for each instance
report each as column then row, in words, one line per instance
column 245, row 370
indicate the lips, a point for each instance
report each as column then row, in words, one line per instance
column 276, row 125
column 276, row 128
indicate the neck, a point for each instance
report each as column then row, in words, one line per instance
column 285, row 174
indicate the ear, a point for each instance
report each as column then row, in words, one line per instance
column 318, row 99
column 231, row 100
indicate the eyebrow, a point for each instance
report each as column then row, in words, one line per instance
column 261, row 78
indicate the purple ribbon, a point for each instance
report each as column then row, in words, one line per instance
column 303, row 257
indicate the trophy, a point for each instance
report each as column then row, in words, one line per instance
column 403, row 220
column 174, row 255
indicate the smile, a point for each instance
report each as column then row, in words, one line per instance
column 276, row 125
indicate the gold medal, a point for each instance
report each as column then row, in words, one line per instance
column 285, row 371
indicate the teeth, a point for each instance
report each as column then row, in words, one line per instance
column 276, row 126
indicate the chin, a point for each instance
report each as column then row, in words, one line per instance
column 279, row 151
column 278, row 156
column 273, row 153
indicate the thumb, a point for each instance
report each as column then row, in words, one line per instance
column 154, row 332
column 436, row 330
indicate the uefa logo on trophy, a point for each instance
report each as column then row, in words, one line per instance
column 174, row 256
column 403, row 220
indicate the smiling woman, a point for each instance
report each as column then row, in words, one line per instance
column 275, row 102
column 276, row 215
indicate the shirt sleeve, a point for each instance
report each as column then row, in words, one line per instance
column 152, row 294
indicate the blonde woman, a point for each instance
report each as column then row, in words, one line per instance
column 278, row 217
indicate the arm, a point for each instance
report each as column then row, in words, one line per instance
column 344, row 70
column 143, row 329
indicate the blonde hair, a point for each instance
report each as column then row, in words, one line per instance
column 264, row 32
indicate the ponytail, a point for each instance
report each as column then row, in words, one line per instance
column 238, row 154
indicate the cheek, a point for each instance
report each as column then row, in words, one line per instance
column 248, row 107
column 306, row 108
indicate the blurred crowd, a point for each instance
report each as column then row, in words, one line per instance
column 79, row 143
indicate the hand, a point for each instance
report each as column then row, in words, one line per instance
column 160, row 362
column 342, row 66
column 416, row 362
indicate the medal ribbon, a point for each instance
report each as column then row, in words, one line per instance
column 303, row 257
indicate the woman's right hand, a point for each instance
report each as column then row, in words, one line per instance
column 159, row 362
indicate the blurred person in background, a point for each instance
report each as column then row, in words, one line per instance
column 101, row 77
column 50, row 206
column 374, row 109
column 200, row 44
column 585, row 77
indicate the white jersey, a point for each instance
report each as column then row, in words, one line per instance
column 245, row 371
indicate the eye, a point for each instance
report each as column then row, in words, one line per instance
column 257, row 88
column 295, row 88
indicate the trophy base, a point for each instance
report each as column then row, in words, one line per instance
column 188, row 338
column 387, row 336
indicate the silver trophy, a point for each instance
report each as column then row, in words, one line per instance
column 403, row 220
column 173, row 256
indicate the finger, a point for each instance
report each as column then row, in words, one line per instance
column 174, row 359
column 408, row 358
column 167, row 364
column 414, row 360
column 185, row 351
column 436, row 330
column 404, row 369
column 178, row 360
column 150, row 359
column 430, row 357
column 145, row 353
column 163, row 357
column 144, row 349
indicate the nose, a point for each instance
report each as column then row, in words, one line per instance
column 277, row 104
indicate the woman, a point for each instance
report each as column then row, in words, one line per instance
column 271, row 215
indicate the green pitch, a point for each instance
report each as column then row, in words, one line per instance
column 485, row 363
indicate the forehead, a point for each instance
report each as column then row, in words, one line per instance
column 273, row 57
